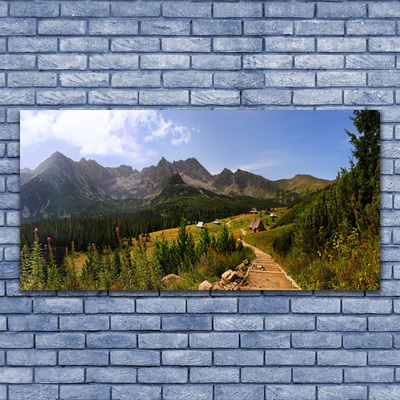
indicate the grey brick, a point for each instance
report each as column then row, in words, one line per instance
column 341, row 11
column 138, row 9
column 32, row 391
column 289, row 323
column 239, row 323
column 289, row 392
column 317, row 96
column 387, row 323
column 341, row 323
column 370, row 61
column 13, row 186
column 263, row 375
column 98, row 392
column 111, row 340
column 156, row 98
column 344, row 392
column 59, row 375
column 368, row 374
column 266, row 340
column 126, row 97
column 341, row 45
column 214, row 97
column 212, row 305
column 179, row 9
column 84, row 323
column 87, row 45
column 367, row 306
column 384, row 357
column 370, row 27
column 16, row 375
column 186, row 357
column 238, row 392
column 83, row 357
column 17, row 61
column 266, row 96
column 186, row 79
column 217, row 27
column 384, row 78
column 165, row 27
column 164, row 61
column 237, row 45
column 386, row 44
column 16, row 340
column 83, row 79
column 289, row 79
column 317, row 375
column 113, row 27
column 216, row 62
column 32, row 79
column 264, row 305
column 57, row 306
column 320, row 340
column 381, row 392
column 122, row 392
column 162, row 375
column 268, row 27
column 135, row 357
column 290, row 357
column 111, row 375
column 325, row 306
column 17, row 26
column 214, row 375
column 319, row 61
column 194, row 45
column 238, row 10
column 288, row 44
column 36, row 9
column 15, row 306
column 187, row 323
column 61, row 61
column 113, row 61
column 108, row 305
column 135, row 322
column 317, row 27
column 382, row 10
column 238, row 357
column 31, row 357
column 32, row 45
column 288, row 10
column 342, row 78
column 369, row 97
column 3, row 9
column 214, row 340
column 61, row 27
column 342, row 358
column 32, row 323
column 8, row 166
column 367, row 341
column 386, row 132
column 65, row 97
column 85, row 9
column 163, row 340
column 135, row 44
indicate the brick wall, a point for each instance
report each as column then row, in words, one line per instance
column 193, row 345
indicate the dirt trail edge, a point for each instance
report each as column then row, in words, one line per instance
column 266, row 273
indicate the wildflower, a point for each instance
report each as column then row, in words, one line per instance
column 36, row 230
column 49, row 239
column 113, row 287
column 117, row 229
column 22, row 253
column 140, row 236
column 34, row 243
column 66, row 258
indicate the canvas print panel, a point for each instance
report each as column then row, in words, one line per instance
column 209, row 200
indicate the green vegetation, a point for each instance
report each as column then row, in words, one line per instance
column 330, row 239
column 134, row 264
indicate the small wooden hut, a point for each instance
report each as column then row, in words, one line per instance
column 200, row 225
column 257, row 225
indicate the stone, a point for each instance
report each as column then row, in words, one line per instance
column 205, row 285
column 229, row 275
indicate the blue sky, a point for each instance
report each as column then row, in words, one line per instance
column 274, row 144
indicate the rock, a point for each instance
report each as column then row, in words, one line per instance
column 240, row 267
column 246, row 261
column 229, row 275
column 216, row 287
column 171, row 278
column 205, row 286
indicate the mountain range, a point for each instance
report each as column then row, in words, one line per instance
column 60, row 187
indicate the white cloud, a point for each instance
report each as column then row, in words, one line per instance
column 101, row 132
